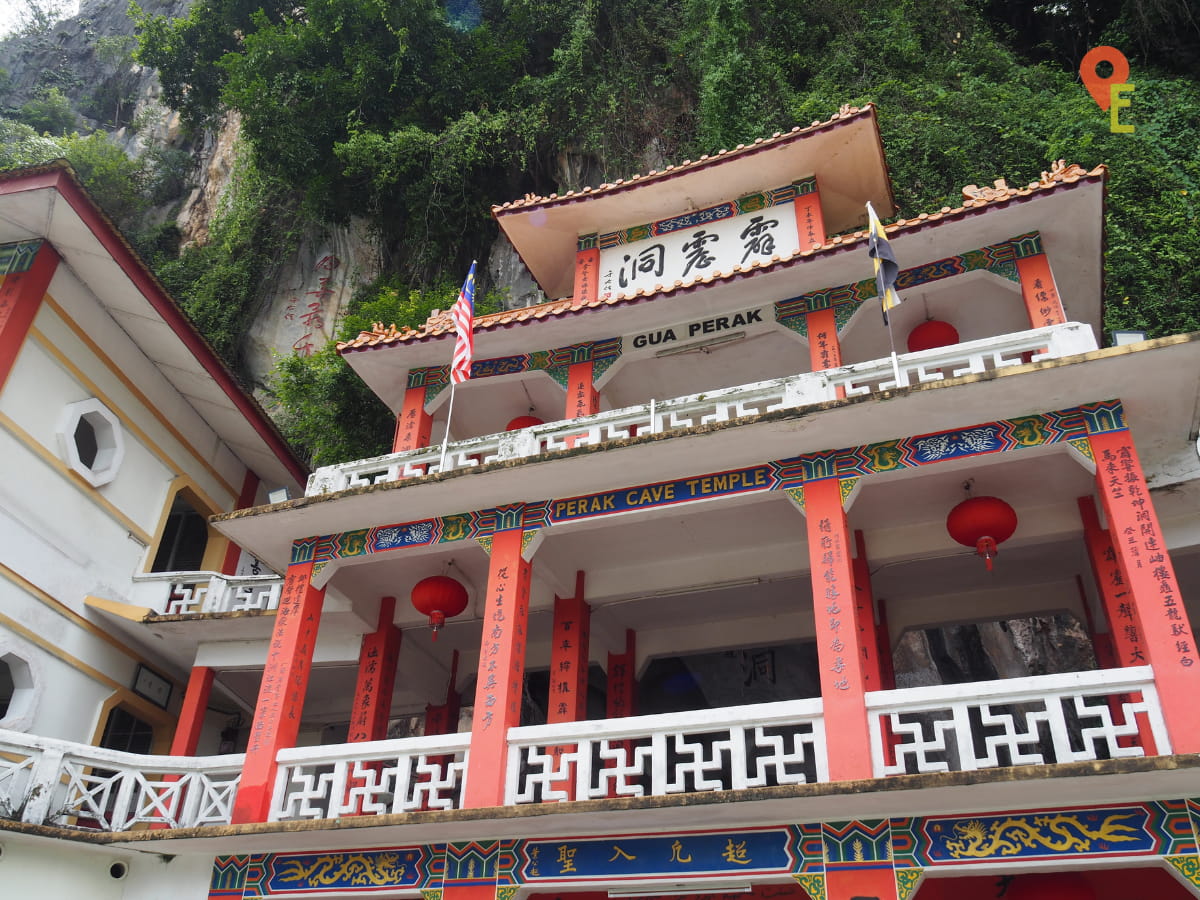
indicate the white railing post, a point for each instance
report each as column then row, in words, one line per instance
column 42, row 792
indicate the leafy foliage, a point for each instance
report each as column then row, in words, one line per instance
column 324, row 409
column 49, row 112
column 421, row 117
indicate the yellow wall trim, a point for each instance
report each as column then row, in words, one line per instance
column 50, row 347
column 86, row 489
column 142, row 398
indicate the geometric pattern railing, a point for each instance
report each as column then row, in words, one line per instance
column 1021, row 721
column 189, row 593
column 371, row 778
column 725, row 405
column 47, row 781
column 708, row 750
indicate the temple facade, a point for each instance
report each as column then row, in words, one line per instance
column 631, row 611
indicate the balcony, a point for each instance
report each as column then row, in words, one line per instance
column 196, row 593
column 683, row 413
column 1081, row 716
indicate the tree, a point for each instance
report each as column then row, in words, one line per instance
column 49, row 112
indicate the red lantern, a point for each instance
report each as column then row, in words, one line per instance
column 1050, row 886
column 438, row 597
column 931, row 334
column 982, row 523
column 523, row 422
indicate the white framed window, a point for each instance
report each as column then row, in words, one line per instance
column 90, row 441
column 19, row 689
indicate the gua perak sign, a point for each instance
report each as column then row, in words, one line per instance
column 689, row 247
column 699, row 329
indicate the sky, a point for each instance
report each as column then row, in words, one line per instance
column 11, row 10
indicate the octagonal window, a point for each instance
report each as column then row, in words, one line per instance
column 90, row 441
column 18, row 694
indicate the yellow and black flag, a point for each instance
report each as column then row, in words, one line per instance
column 887, row 270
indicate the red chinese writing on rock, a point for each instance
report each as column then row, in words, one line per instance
column 1144, row 548
column 831, row 557
column 313, row 317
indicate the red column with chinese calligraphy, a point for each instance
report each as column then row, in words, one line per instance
column 810, row 223
column 1120, row 611
column 413, row 425
column 1039, row 291
column 844, row 674
column 864, row 616
column 281, row 696
column 21, row 296
column 582, row 397
column 569, row 651
column 587, row 275
column 442, row 718
column 1163, row 630
column 824, row 348
column 376, row 677
column 622, row 680
column 501, row 670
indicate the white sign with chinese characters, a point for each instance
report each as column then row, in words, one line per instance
column 687, row 248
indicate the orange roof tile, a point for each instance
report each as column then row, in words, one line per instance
column 975, row 198
column 671, row 171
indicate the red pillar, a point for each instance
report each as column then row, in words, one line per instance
column 860, row 884
column 839, row 650
column 443, row 718
column 21, row 296
column 864, row 617
column 413, row 425
column 191, row 713
column 569, row 658
column 587, row 274
column 1039, row 291
column 569, row 654
column 245, row 500
column 810, row 224
column 501, row 670
column 1120, row 610
column 281, row 696
column 582, row 397
column 376, row 677
column 1164, row 632
column 622, row 680
column 824, row 348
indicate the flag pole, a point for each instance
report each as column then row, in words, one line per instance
column 446, row 436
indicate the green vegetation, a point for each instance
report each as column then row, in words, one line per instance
column 50, row 112
column 325, row 410
column 420, row 115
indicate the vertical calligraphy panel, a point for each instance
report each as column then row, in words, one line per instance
column 1120, row 609
column 843, row 673
column 413, row 425
column 582, row 399
column 1165, row 634
column 587, row 272
column 501, row 673
column 377, row 659
column 825, row 350
column 1039, row 291
column 281, row 695
column 569, row 652
column 809, row 222
column 20, row 298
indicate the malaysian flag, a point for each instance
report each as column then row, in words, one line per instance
column 463, row 314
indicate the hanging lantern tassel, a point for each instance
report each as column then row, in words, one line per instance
column 439, row 597
column 983, row 523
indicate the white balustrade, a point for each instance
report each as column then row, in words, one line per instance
column 711, row 407
column 47, row 781
column 968, row 358
column 1018, row 721
column 708, row 750
column 191, row 593
column 371, row 778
